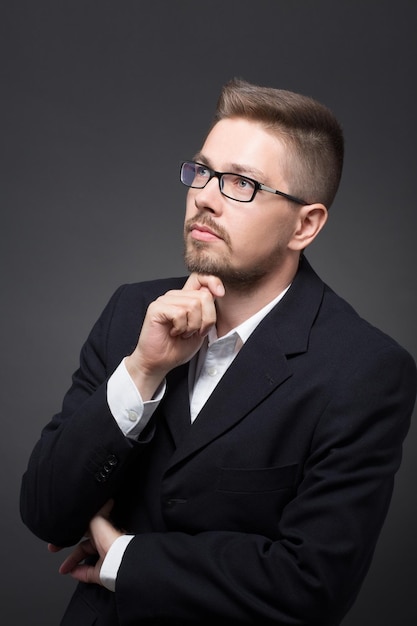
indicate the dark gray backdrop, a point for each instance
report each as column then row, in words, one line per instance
column 100, row 101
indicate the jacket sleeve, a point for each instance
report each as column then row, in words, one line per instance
column 312, row 573
column 309, row 574
column 80, row 459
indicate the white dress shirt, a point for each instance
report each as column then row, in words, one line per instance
column 132, row 414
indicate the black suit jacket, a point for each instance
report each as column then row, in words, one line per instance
column 267, row 508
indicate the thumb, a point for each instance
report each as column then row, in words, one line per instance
column 106, row 509
column 100, row 519
column 205, row 281
column 103, row 533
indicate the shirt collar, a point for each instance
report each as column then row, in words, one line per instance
column 244, row 330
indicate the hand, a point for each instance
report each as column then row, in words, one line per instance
column 173, row 331
column 102, row 535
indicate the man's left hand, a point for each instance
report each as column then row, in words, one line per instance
column 102, row 534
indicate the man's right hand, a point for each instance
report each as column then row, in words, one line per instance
column 173, row 331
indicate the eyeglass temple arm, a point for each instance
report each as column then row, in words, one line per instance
column 281, row 193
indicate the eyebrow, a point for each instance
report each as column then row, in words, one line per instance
column 235, row 168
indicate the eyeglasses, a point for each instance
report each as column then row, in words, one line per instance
column 233, row 186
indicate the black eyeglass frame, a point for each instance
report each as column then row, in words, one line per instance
column 257, row 185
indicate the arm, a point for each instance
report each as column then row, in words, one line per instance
column 82, row 456
column 63, row 485
column 313, row 570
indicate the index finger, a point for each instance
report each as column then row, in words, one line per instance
column 199, row 281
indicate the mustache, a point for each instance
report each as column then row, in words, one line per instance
column 206, row 220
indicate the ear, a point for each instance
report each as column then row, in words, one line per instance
column 311, row 219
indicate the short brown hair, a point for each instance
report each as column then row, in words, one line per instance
column 310, row 130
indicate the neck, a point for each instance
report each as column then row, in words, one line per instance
column 239, row 304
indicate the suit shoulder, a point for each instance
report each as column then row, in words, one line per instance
column 355, row 332
column 146, row 291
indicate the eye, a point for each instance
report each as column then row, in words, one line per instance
column 242, row 183
column 202, row 171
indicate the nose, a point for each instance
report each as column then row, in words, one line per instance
column 209, row 198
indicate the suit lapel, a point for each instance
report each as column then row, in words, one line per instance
column 176, row 404
column 244, row 385
column 259, row 368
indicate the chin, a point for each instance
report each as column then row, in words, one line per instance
column 231, row 277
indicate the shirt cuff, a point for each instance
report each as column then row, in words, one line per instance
column 111, row 563
column 126, row 404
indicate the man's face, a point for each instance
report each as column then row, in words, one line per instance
column 241, row 243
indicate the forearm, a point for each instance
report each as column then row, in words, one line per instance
column 74, row 469
column 308, row 568
column 226, row 576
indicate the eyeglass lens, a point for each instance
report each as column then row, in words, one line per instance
column 231, row 185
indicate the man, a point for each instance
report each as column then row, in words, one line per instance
column 229, row 443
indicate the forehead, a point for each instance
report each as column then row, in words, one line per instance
column 243, row 142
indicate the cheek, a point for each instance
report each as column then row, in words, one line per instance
column 281, row 228
column 255, row 232
column 190, row 208
column 261, row 236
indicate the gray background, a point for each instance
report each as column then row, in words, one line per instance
column 100, row 101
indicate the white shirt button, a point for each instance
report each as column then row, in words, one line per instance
column 132, row 415
column 212, row 371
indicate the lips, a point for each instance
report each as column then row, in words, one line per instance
column 203, row 233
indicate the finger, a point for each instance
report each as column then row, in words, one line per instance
column 201, row 281
column 106, row 509
column 194, row 314
column 189, row 311
column 175, row 310
column 84, row 549
column 104, row 534
column 53, row 548
column 86, row 574
column 183, row 311
column 203, row 317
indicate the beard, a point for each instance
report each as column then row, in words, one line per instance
column 200, row 258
